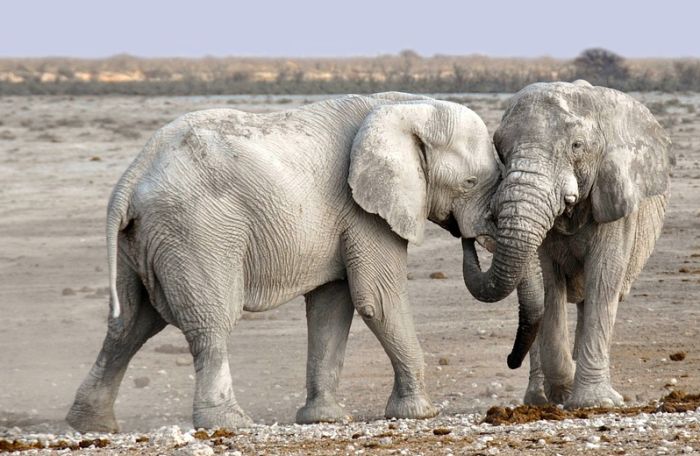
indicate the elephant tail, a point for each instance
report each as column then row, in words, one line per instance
column 118, row 218
column 116, row 221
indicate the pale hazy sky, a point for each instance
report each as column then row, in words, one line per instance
column 93, row 28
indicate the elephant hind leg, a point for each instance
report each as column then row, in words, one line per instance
column 205, row 299
column 93, row 407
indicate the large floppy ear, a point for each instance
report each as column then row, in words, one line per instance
column 635, row 163
column 388, row 164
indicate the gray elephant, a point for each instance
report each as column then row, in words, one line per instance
column 585, row 187
column 225, row 211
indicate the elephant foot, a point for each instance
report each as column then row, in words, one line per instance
column 322, row 410
column 595, row 395
column 557, row 393
column 415, row 406
column 228, row 416
column 87, row 419
column 535, row 395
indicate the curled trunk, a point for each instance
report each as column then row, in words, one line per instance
column 525, row 215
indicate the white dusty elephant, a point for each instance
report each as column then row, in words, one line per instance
column 585, row 186
column 225, row 211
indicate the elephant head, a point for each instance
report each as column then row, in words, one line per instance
column 571, row 151
column 428, row 159
column 425, row 159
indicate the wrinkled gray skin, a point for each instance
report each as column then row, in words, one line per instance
column 225, row 211
column 585, row 187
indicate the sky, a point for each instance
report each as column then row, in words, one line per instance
column 312, row 28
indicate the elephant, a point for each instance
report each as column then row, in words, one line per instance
column 584, row 194
column 225, row 211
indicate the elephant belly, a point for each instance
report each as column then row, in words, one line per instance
column 291, row 270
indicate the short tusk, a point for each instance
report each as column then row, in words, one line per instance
column 486, row 242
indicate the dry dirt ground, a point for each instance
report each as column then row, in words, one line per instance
column 60, row 157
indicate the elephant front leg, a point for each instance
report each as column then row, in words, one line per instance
column 392, row 323
column 329, row 314
column 554, row 347
column 377, row 278
column 604, row 273
column 535, row 395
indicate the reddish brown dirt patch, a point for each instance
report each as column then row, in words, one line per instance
column 675, row 402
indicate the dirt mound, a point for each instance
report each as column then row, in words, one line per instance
column 674, row 402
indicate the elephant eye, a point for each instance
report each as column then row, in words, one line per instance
column 577, row 145
column 469, row 182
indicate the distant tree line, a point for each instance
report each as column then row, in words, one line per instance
column 407, row 71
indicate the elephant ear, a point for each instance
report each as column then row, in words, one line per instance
column 388, row 165
column 635, row 163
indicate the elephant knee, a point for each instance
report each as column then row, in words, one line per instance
column 368, row 309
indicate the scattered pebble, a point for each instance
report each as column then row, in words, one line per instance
column 183, row 361
column 438, row 275
column 666, row 433
column 141, row 382
column 678, row 356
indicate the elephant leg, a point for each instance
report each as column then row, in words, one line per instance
column 377, row 278
column 554, row 347
column 535, row 395
column 605, row 269
column 205, row 296
column 329, row 314
column 93, row 407
column 215, row 404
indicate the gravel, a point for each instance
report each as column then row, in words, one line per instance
column 657, row 433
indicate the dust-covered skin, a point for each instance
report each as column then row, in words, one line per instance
column 225, row 211
column 585, row 188
column 57, row 173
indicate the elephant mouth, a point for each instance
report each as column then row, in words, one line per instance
column 451, row 225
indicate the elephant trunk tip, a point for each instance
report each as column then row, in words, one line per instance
column 514, row 361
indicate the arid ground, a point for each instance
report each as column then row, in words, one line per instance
column 60, row 157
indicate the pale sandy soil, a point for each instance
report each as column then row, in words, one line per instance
column 60, row 157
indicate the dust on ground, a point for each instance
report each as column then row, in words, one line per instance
column 60, row 157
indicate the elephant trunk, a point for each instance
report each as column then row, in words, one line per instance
column 526, row 213
column 518, row 238
column 530, row 310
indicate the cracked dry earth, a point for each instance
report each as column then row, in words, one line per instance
column 60, row 157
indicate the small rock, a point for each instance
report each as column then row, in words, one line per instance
column 195, row 449
column 183, row 361
column 438, row 275
column 385, row 441
column 679, row 356
column 171, row 436
column 141, row 382
column 68, row 292
column 444, row 361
